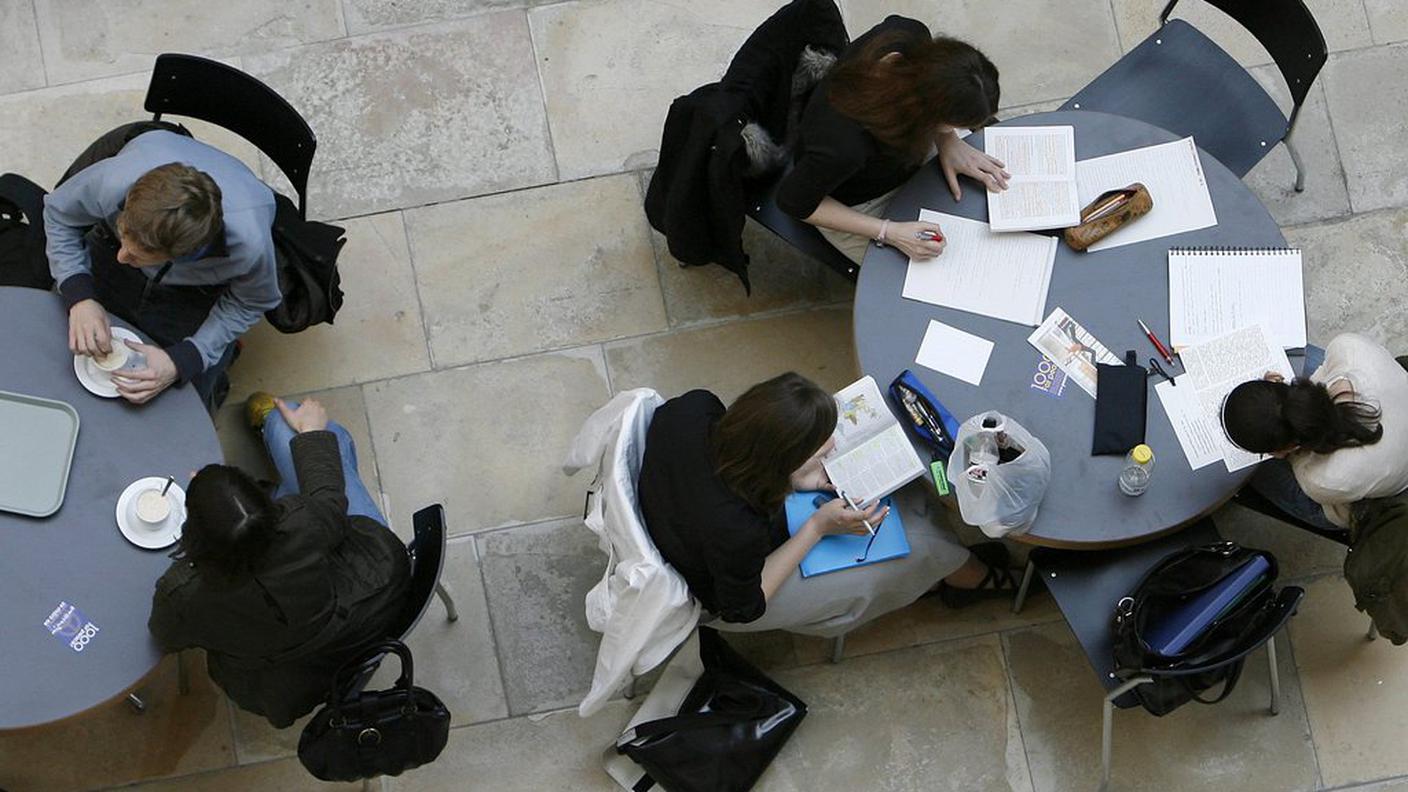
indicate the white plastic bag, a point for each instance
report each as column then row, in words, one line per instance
column 998, row 497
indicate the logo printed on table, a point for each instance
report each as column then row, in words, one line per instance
column 68, row 624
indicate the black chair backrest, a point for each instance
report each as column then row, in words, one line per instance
column 196, row 87
column 1287, row 30
column 427, row 551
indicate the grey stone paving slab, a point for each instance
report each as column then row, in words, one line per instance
column 730, row 358
column 1273, row 179
column 419, row 115
column 256, row 741
column 610, row 70
column 537, row 269
column 1368, row 99
column 932, row 718
column 1234, row 744
column 245, row 449
column 88, row 38
column 378, row 333
column 488, row 441
column 1388, row 19
column 537, row 578
column 560, row 751
column 365, row 16
column 45, row 129
column 1356, row 277
column 1355, row 690
column 284, row 774
column 21, row 65
column 1043, row 50
column 1342, row 22
column 456, row 659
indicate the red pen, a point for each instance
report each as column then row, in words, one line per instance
column 1153, row 339
column 930, row 236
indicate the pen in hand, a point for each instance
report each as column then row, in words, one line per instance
column 929, row 236
column 852, row 504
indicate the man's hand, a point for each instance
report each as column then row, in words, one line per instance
column 957, row 157
column 309, row 417
column 142, row 385
column 88, row 330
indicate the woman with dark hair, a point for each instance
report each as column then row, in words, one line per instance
column 281, row 591
column 1338, row 436
column 895, row 95
column 711, row 488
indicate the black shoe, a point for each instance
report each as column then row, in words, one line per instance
column 999, row 583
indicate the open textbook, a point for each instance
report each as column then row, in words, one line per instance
column 1042, row 190
column 1005, row 276
column 1072, row 348
column 1211, row 370
column 873, row 457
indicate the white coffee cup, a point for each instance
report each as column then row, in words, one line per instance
column 115, row 359
column 152, row 507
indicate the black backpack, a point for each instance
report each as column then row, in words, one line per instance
column 1215, row 657
column 22, row 258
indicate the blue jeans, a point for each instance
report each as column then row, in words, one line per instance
column 277, row 436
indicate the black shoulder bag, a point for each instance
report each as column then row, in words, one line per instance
column 361, row 734
column 728, row 730
column 307, row 252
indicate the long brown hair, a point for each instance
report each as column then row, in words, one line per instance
column 767, row 433
column 902, row 101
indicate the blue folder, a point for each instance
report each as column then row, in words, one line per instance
column 1176, row 632
column 841, row 551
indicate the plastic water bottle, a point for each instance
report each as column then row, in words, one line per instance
column 1138, row 468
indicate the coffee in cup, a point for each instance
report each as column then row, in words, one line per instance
column 113, row 360
column 153, row 507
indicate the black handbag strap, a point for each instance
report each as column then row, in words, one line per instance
column 353, row 668
column 1229, row 684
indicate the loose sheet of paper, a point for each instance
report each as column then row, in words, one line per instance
column 1213, row 292
column 951, row 351
column 1042, row 190
column 1005, row 276
column 1175, row 180
column 1211, row 371
column 1072, row 348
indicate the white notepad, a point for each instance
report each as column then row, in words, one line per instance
column 1213, row 291
column 1042, row 190
column 1005, row 276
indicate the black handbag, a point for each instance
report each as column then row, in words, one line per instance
column 1207, row 661
column 729, row 728
column 361, row 734
column 306, row 254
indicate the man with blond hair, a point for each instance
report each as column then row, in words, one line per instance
column 174, row 237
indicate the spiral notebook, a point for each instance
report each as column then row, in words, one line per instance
column 1213, row 291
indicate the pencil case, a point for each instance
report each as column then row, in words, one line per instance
column 1111, row 211
column 928, row 418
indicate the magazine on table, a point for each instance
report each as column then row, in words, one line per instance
column 1072, row 348
column 873, row 456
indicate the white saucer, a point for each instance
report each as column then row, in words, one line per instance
column 138, row 532
column 95, row 380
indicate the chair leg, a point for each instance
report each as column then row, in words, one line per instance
column 136, row 703
column 183, row 679
column 1373, row 631
column 451, row 612
column 838, row 648
column 1021, row 598
column 1108, row 727
column 631, row 689
column 1300, row 167
column 1275, row 708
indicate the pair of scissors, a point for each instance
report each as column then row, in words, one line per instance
column 1155, row 368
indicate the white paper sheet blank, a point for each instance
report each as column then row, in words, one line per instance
column 951, row 351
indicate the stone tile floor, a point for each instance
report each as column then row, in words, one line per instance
column 488, row 158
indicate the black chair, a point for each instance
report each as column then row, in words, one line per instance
column 763, row 208
column 1178, row 79
column 1087, row 584
column 196, row 87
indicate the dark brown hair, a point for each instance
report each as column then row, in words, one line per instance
column 172, row 210
column 767, row 433
column 902, row 101
column 1264, row 417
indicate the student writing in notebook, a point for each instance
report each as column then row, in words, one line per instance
column 711, row 488
column 1339, row 435
column 895, row 96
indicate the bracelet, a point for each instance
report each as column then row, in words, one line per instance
column 880, row 238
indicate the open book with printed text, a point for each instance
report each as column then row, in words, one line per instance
column 873, row 456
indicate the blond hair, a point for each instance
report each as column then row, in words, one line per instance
column 172, row 210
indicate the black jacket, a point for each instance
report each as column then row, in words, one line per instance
column 327, row 586
column 698, row 195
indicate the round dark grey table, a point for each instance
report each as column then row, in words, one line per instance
column 1106, row 292
column 78, row 555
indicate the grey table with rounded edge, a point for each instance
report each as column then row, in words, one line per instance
column 1104, row 291
column 78, row 554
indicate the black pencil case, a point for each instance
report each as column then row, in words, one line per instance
column 1121, row 406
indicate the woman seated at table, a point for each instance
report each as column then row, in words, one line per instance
column 1339, row 435
column 711, row 489
column 281, row 591
column 895, row 95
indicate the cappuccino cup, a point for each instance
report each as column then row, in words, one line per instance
column 152, row 507
column 115, row 359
